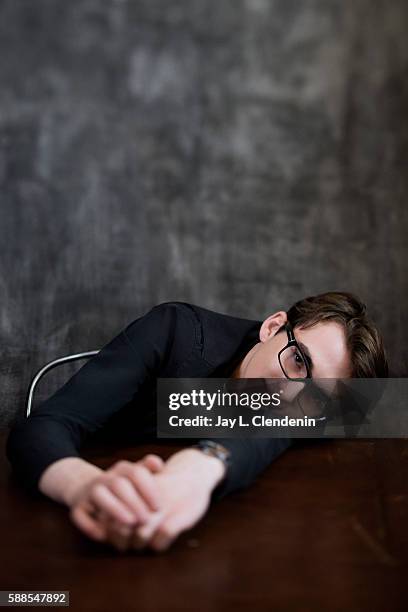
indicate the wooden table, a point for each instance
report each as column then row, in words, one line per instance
column 325, row 528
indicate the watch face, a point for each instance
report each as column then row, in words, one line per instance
column 215, row 449
column 214, row 446
column 222, row 449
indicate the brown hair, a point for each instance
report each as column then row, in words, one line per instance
column 367, row 352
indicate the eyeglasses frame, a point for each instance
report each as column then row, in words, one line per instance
column 293, row 342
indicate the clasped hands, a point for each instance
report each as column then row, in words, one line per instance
column 147, row 503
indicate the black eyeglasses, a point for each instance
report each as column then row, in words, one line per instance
column 293, row 361
column 296, row 365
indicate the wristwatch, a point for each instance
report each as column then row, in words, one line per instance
column 214, row 449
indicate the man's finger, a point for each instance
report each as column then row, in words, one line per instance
column 167, row 532
column 80, row 515
column 145, row 484
column 118, row 534
column 143, row 533
column 152, row 462
column 125, row 490
column 106, row 500
column 140, row 474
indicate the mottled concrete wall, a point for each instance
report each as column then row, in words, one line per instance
column 238, row 155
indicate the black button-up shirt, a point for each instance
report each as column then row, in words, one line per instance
column 115, row 391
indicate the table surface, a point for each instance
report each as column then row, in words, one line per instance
column 325, row 527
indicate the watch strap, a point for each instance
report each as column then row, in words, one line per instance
column 215, row 449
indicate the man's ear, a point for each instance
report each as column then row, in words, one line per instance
column 271, row 325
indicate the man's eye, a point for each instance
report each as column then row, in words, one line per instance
column 298, row 359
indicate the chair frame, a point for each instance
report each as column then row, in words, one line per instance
column 47, row 368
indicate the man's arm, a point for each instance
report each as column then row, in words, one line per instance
column 62, row 479
column 184, row 485
column 249, row 458
column 46, row 444
column 57, row 428
column 191, row 479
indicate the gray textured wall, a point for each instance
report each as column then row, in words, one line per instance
column 238, row 155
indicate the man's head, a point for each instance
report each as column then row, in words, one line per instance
column 332, row 328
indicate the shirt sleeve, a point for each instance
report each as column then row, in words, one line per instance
column 249, row 458
column 58, row 426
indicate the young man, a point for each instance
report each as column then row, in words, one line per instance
column 148, row 503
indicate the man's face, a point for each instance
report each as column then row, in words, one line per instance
column 325, row 343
